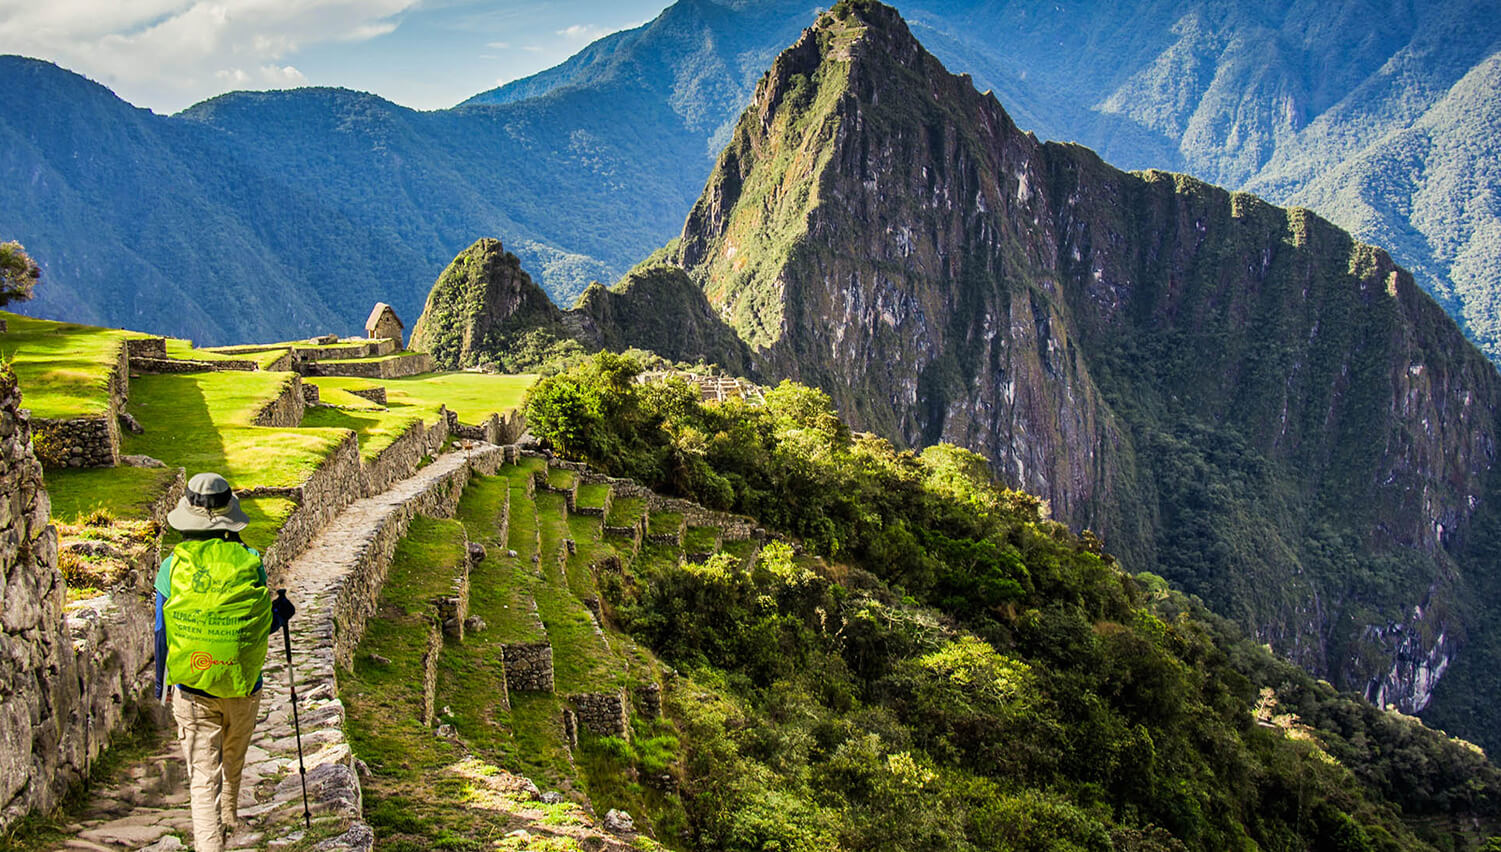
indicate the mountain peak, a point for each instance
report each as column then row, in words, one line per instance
column 845, row 101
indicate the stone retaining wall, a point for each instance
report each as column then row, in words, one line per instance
column 79, row 441
column 602, row 713
column 357, row 592
column 92, row 440
column 735, row 527
column 397, row 461
column 528, row 666
column 649, row 701
column 282, row 364
column 430, row 652
column 284, row 412
column 451, row 609
column 386, row 368
column 186, row 365
column 496, row 429
column 309, row 393
column 336, row 483
column 70, row 677
column 376, row 394
column 146, row 347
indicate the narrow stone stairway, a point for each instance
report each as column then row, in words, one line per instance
column 334, row 585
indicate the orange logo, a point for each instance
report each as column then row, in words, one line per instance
column 201, row 661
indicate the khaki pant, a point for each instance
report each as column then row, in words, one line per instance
column 215, row 732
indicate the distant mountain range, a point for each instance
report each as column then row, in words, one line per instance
column 278, row 214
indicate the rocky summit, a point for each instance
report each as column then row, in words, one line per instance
column 486, row 310
column 1240, row 397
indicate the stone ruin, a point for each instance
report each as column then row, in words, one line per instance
column 383, row 323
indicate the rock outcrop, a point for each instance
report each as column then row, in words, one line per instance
column 477, row 304
column 485, row 308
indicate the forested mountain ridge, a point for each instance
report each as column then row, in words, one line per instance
column 317, row 196
column 1241, row 397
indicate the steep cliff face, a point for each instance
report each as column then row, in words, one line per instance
column 656, row 307
column 1238, row 396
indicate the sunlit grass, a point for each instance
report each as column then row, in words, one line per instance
column 62, row 367
column 473, row 396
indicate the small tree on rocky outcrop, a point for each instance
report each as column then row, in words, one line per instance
column 18, row 273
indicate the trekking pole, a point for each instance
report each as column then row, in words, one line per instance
column 286, row 638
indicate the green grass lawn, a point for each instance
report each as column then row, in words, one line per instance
column 664, row 523
column 376, row 429
column 62, row 368
column 592, row 496
column 586, row 532
column 200, row 421
column 126, row 493
column 433, row 555
column 473, row 396
column 344, row 399
column 625, row 511
column 561, row 478
column 701, row 539
column 741, row 549
column 183, row 349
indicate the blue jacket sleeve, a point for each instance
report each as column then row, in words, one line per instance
column 161, row 646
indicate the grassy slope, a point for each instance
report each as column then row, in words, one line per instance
column 473, row 396
column 376, row 429
column 62, row 368
column 526, row 737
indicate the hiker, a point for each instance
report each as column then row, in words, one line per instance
column 214, row 617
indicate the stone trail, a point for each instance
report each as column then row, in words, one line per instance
column 329, row 583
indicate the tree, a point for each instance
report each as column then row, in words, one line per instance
column 18, row 273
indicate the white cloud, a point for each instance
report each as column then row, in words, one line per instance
column 167, row 54
column 582, row 32
column 498, row 45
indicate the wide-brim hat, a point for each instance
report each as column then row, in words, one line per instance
column 208, row 505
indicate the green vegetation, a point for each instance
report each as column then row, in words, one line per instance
column 472, row 396
column 967, row 674
column 518, row 603
column 701, row 539
column 561, row 478
column 376, row 430
column 664, row 523
column 184, row 349
column 625, row 511
column 18, row 273
column 592, row 496
column 62, row 368
column 200, row 421
column 123, row 492
column 484, row 310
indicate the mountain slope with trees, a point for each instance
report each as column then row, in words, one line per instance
column 1267, row 412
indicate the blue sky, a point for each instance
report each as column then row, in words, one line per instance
column 427, row 54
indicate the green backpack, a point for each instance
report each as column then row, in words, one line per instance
column 218, row 618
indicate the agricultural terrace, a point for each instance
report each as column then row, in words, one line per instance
column 472, row 396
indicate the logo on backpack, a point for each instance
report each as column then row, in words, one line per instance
column 217, row 618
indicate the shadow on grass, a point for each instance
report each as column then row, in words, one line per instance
column 179, row 427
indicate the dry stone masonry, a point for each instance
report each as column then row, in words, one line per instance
column 529, row 667
column 70, row 676
column 284, row 412
column 602, row 713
